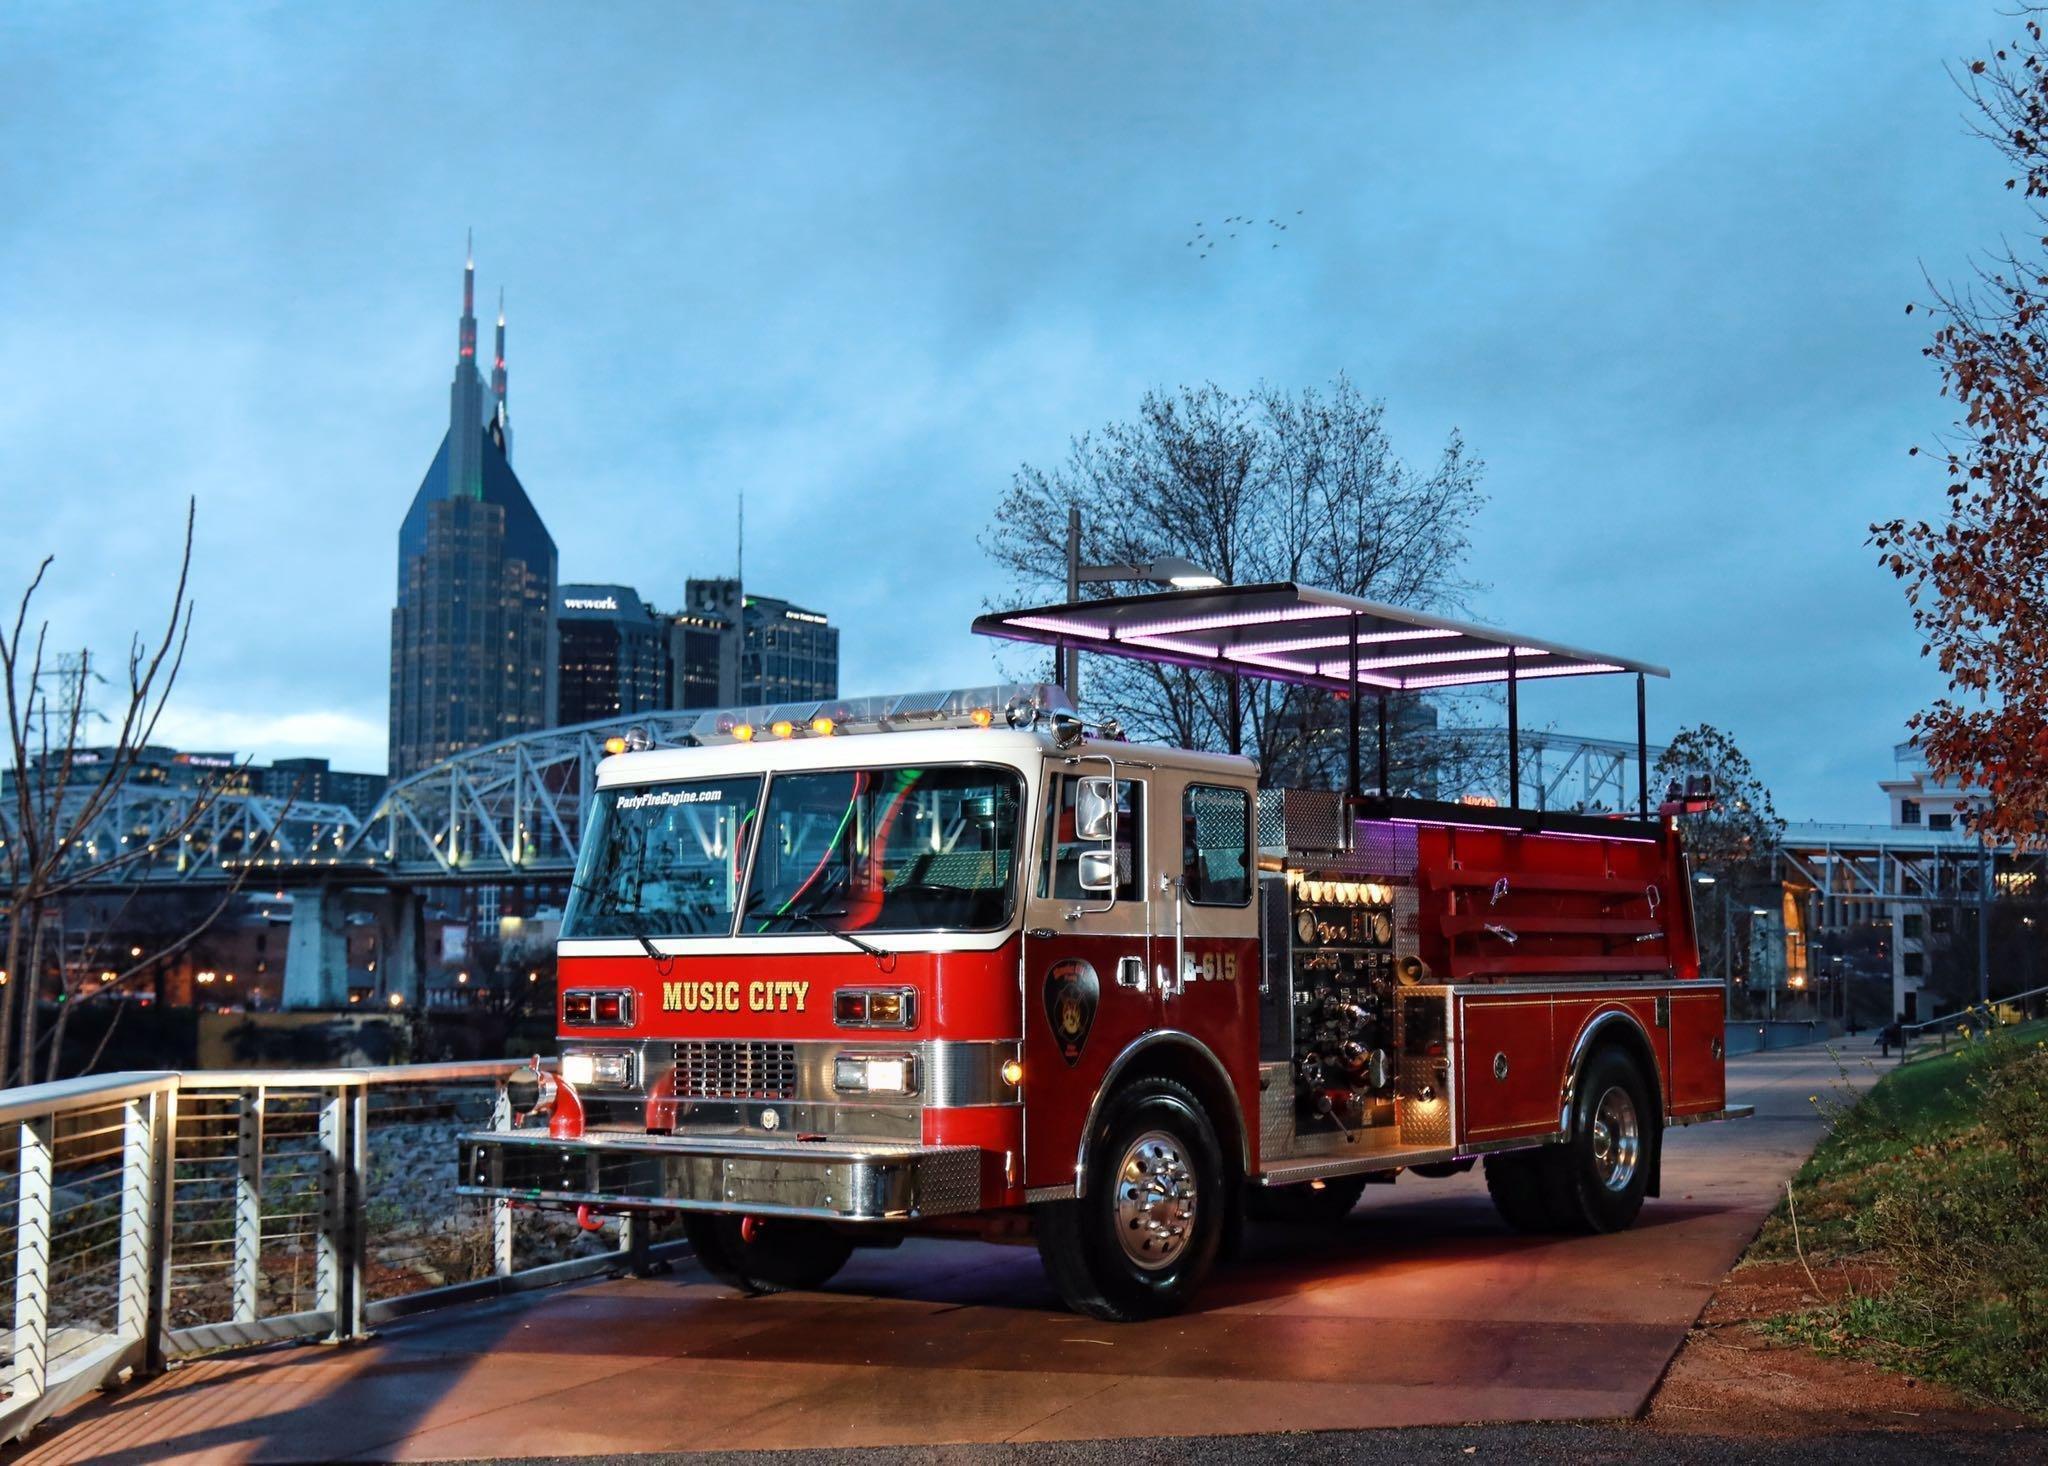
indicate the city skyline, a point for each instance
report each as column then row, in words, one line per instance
column 870, row 336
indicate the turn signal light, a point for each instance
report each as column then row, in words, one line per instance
column 597, row 1009
column 823, row 727
column 744, row 733
column 982, row 717
column 615, row 744
column 1013, row 1073
column 782, row 728
column 875, row 1007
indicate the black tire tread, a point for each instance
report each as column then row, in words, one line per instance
column 1516, row 1181
column 1062, row 1228
column 807, row 1256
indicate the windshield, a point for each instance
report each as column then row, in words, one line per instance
column 663, row 860
column 879, row 850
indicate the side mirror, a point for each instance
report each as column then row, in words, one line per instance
column 1095, row 810
column 1098, row 871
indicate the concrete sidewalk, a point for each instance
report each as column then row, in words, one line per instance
column 1422, row 1310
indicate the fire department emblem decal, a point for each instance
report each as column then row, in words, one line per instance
column 1071, row 991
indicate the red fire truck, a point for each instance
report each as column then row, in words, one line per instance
column 971, row 964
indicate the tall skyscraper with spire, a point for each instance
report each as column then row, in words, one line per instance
column 473, row 633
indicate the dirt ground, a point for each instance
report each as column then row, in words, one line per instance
column 1732, row 1379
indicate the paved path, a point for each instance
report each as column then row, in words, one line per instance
column 1423, row 1310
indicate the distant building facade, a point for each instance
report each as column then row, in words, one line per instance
column 154, row 767
column 787, row 654
column 473, row 632
column 314, row 781
column 704, row 646
column 612, row 654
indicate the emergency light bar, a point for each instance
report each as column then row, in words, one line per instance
column 1011, row 703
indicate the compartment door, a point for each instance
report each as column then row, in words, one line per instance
column 1508, row 1067
column 1699, row 1072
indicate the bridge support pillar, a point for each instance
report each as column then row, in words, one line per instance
column 316, row 951
column 403, row 939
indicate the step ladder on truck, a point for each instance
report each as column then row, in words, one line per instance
column 970, row 964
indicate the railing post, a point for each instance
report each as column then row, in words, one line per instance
column 162, row 1224
column 500, row 1210
column 331, row 1279
column 248, row 1265
column 358, row 1210
column 137, row 1270
column 31, row 1261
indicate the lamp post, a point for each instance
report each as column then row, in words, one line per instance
column 1727, row 952
column 1167, row 570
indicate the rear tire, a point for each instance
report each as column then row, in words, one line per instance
column 1306, row 1204
column 1600, row 1175
column 1515, row 1181
column 1596, row 1178
column 766, row 1254
column 1146, row 1232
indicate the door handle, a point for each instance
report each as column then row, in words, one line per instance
column 1130, row 973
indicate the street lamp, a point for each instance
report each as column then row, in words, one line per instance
column 1167, row 570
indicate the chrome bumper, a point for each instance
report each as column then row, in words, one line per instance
column 837, row 1180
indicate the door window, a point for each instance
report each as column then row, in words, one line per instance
column 1059, row 869
column 1216, row 845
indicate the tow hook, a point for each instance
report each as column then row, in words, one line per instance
column 588, row 1220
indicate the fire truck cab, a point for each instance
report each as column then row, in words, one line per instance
column 968, row 963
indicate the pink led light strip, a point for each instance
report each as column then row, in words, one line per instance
column 1453, row 679
column 1425, row 659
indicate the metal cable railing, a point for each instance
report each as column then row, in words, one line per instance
column 1969, row 1023
column 149, row 1216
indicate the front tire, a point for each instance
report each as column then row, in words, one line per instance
column 1146, row 1232
column 766, row 1254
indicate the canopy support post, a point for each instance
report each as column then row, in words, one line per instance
column 1642, row 750
column 1236, row 714
column 1352, row 708
column 1383, row 746
column 1514, row 738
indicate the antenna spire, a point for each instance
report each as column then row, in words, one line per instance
column 468, row 336
column 498, row 366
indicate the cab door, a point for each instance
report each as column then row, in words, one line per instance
column 1089, row 989
column 1205, row 944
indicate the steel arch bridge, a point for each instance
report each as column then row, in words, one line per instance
column 506, row 811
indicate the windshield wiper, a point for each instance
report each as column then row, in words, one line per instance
column 813, row 920
column 647, row 946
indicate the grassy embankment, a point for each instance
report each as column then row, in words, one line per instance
column 1923, row 1217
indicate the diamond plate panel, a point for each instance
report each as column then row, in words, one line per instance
column 1276, row 1112
column 949, row 1180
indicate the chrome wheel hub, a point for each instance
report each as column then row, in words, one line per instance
column 1617, row 1139
column 1155, row 1201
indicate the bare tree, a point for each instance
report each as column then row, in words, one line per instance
column 58, row 789
column 1268, row 485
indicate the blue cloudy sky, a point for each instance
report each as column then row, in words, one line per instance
column 861, row 260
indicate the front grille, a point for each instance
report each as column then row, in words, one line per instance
column 731, row 1070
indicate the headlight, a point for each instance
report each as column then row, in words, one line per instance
column 875, row 1074
column 607, row 1068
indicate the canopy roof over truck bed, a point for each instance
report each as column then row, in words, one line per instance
column 1284, row 632
column 1295, row 633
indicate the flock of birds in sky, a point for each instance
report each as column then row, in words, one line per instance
column 1230, row 228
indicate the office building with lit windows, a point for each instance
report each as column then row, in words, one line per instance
column 788, row 653
column 612, row 654
column 473, row 632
